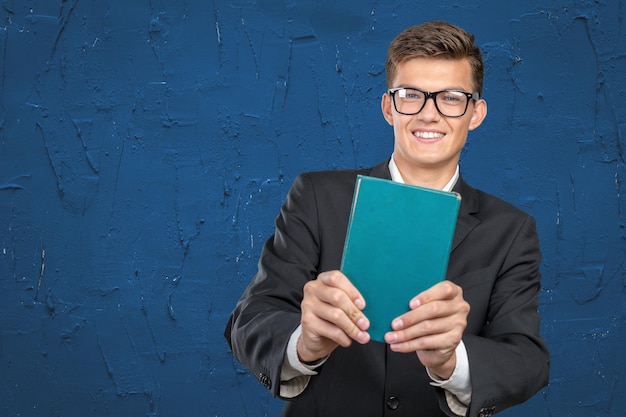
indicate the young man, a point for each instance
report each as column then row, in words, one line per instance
column 469, row 345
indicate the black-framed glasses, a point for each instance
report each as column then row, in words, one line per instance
column 449, row 103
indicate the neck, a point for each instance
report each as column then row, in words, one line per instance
column 425, row 177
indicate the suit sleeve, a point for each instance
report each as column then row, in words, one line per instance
column 268, row 312
column 509, row 361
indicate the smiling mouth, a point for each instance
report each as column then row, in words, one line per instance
column 428, row 135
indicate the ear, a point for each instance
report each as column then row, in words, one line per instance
column 478, row 114
column 386, row 106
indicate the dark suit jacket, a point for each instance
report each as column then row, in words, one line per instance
column 495, row 258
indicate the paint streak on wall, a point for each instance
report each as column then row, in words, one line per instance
column 145, row 148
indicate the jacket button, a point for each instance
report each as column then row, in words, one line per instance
column 393, row 403
column 265, row 380
column 487, row 411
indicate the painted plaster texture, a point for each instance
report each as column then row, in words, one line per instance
column 146, row 147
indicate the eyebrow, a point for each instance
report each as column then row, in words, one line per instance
column 445, row 89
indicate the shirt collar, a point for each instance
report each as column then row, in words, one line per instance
column 397, row 177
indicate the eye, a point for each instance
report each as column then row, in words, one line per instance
column 452, row 97
column 409, row 94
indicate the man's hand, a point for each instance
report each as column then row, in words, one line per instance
column 433, row 328
column 331, row 316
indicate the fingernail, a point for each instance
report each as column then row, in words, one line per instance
column 397, row 324
column 361, row 323
column 359, row 303
column 362, row 337
column 414, row 303
column 391, row 337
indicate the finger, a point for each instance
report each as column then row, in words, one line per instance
column 431, row 311
column 434, row 318
column 442, row 343
column 338, row 291
column 333, row 306
column 445, row 290
column 405, row 329
column 338, row 280
column 318, row 331
column 332, row 295
column 353, row 326
column 356, row 330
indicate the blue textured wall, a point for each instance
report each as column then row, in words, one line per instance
column 146, row 146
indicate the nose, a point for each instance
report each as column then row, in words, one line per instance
column 429, row 111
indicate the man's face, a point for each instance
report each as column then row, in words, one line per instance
column 428, row 143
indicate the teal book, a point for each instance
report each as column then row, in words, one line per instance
column 397, row 245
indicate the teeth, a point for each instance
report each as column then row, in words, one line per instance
column 428, row 135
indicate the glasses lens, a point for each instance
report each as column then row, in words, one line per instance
column 451, row 103
column 409, row 101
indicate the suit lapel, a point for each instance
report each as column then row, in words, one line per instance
column 381, row 171
column 466, row 220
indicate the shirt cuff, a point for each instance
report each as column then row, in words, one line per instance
column 295, row 375
column 459, row 386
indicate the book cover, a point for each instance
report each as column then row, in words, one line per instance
column 397, row 245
